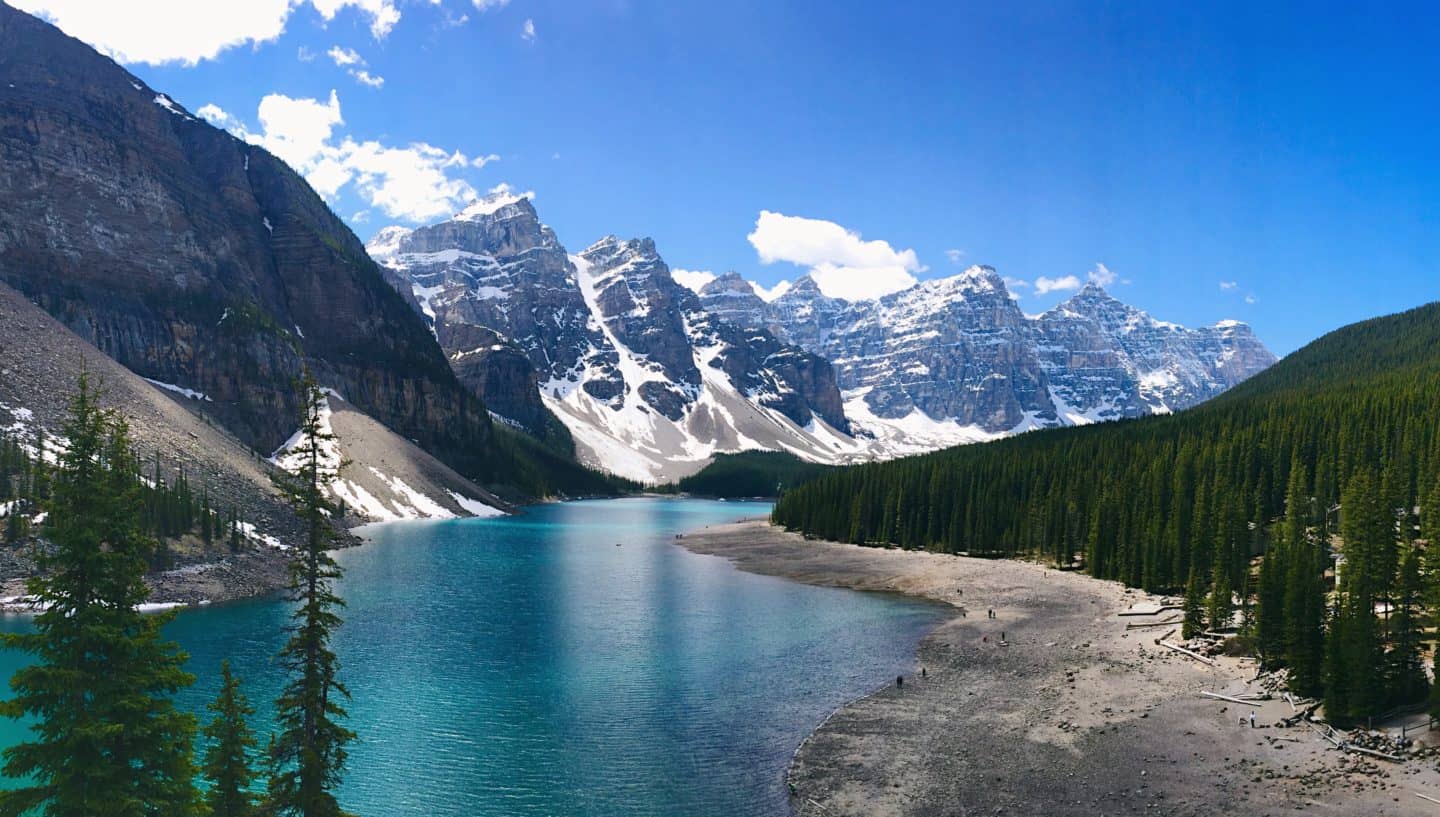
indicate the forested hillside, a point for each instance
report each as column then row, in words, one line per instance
column 751, row 474
column 1184, row 501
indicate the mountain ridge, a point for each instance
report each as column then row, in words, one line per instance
column 197, row 259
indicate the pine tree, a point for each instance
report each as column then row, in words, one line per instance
column 1194, row 607
column 307, row 756
column 227, row 759
column 1219, row 608
column 1305, row 616
column 106, row 737
column 1406, row 681
column 1270, row 621
column 1337, row 676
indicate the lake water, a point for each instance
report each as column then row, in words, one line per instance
column 529, row 666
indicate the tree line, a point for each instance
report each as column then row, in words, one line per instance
column 1334, row 452
column 169, row 503
column 105, row 737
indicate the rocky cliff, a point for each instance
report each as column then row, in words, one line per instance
column 647, row 382
column 954, row 359
column 196, row 259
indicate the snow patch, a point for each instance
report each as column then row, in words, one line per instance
column 180, row 390
column 475, row 507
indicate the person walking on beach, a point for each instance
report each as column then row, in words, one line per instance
column 1252, row 719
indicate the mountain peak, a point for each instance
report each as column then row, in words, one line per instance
column 491, row 203
column 806, row 287
column 385, row 244
column 728, row 283
column 981, row 278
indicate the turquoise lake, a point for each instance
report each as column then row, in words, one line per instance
column 528, row 666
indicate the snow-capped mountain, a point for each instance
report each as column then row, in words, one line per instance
column 954, row 360
column 649, row 384
column 651, row 378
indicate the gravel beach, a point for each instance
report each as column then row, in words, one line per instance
column 1052, row 707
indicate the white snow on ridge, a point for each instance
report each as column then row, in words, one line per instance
column 180, row 390
column 169, row 105
column 490, row 204
column 397, row 499
column 475, row 507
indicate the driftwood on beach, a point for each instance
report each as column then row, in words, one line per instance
column 1150, row 612
column 1143, row 625
column 1253, row 699
column 1197, row 656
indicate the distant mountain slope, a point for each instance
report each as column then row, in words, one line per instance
column 40, row 360
column 194, row 258
column 1151, row 501
column 648, row 384
column 954, row 360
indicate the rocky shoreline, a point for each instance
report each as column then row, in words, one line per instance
column 1053, row 707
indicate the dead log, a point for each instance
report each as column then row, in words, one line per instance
column 1197, row 656
column 1242, row 701
column 1382, row 755
column 1152, row 624
column 1157, row 611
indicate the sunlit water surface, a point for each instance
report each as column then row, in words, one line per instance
column 529, row 666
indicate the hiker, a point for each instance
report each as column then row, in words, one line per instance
column 900, row 681
column 1252, row 719
column 922, row 672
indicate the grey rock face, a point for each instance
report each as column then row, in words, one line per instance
column 610, row 321
column 1111, row 359
column 192, row 257
column 495, row 275
column 960, row 349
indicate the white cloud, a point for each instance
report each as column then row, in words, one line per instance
column 192, row 30
column 304, row 54
column 772, row 293
column 417, row 182
column 366, row 78
column 360, row 217
column 842, row 264
column 1228, row 285
column 383, row 13
column 352, row 62
column 955, row 256
column 527, row 31
column 1045, row 285
column 1250, row 299
column 1102, row 276
column 1016, row 283
column 344, row 56
column 692, row 279
column 487, row 5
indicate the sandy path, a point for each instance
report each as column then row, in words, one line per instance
column 1076, row 716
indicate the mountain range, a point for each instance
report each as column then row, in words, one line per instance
column 202, row 262
column 652, row 379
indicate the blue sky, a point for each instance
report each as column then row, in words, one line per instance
column 1289, row 151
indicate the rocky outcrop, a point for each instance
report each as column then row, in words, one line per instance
column 1105, row 359
column 197, row 259
column 647, row 381
column 955, row 360
column 499, row 372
